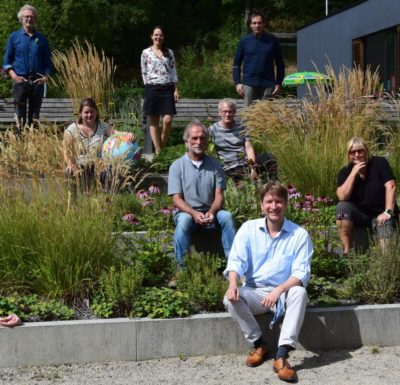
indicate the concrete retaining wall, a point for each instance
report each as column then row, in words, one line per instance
column 122, row 339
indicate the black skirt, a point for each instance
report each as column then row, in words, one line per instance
column 159, row 99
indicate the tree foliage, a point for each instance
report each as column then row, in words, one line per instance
column 122, row 28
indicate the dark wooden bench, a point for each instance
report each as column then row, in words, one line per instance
column 58, row 111
column 205, row 110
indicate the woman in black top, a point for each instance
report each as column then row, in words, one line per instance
column 366, row 189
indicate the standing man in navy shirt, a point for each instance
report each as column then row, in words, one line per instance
column 256, row 57
column 27, row 60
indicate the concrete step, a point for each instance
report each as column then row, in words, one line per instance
column 124, row 339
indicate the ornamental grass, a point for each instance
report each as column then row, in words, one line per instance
column 309, row 138
column 84, row 72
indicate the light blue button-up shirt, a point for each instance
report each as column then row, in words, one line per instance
column 267, row 261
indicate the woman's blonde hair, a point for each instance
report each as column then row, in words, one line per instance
column 359, row 143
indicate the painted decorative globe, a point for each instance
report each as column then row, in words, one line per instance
column 117, row 146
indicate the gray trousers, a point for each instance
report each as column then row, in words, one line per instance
column 248, row 306
column 255, row 93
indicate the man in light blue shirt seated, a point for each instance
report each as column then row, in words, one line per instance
column 273, row 257
column 196, row 182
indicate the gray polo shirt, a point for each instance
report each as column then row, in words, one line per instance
column 196, row 184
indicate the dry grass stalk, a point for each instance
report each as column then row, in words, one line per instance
column 36, row 154
column 33, row 153
column 83, row 72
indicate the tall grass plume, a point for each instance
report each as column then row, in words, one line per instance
column 84, row 72
column 309, row 137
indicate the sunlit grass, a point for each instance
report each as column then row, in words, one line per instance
column 309, row 140
column 83, row 72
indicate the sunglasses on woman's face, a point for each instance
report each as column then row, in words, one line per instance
column 359, row 151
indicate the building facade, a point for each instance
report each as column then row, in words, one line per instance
column 366, row 34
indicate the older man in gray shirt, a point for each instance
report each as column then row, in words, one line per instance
column 234, row 147
column 196, row 183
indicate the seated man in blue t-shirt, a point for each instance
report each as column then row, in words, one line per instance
column 235, row 149
column 196, row 182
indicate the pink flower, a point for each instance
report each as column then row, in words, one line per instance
column 142, row 194
column 154, row 189
column 147, row 202
column 309, row 197
column 129, row 217
column 295, row 195
column 325, row 200
column 165, row 211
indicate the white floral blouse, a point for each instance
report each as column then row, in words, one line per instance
column 158, row 70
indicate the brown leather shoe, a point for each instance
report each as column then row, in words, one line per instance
column 256, row 356
column 284, row 370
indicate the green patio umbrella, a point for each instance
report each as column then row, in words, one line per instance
column 302, row 78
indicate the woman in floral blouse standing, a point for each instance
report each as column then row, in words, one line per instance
column 161, row 87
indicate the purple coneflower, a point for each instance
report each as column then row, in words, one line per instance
column 165, row 210
column 142, row 194
column 309, row 197
column 297, row 205
column 129, row 217
column 154, row 189
column 147, row 202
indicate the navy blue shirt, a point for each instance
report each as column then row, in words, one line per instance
column 258, row 57
column 27, row 55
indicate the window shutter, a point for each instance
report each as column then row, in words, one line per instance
column 358, row 53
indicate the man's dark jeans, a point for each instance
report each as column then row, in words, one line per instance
column 27, row 92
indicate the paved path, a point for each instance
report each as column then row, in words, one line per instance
column 364, row 366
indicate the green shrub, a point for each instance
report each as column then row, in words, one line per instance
column 375, row 276
column 118, row 290
column 5, row 86
column 167, row 156
column 202, row 281
column 204, row 74
column 153, row 250
column 31, row 308
column 162, row 303
column 243, row 200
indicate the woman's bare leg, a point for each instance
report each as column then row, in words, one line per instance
column 345, row 229
column 166, row 129
column 154, row 133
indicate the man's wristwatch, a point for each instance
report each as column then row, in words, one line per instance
column 389, row 213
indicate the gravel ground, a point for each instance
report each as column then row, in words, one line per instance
column 367, row 365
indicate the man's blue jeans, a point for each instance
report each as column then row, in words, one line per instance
column 185, row 225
